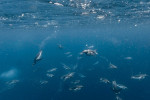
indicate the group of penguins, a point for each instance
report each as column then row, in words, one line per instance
column 116, row 88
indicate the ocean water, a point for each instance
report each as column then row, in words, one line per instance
column 117, row 30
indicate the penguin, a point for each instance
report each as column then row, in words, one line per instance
column 37, row 58
column 89, row 52
column 60, row 46
column 117, row 88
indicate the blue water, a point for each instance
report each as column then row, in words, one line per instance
column 118, row 30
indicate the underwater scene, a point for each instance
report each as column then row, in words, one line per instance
column 74, row 50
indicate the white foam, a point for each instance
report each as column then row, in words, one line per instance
column 58, row 4
column 100, row 17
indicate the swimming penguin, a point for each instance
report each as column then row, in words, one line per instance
column 117, row 87
column 116, row 90
column 37, row 58
column 60, row 46
column 89, row 52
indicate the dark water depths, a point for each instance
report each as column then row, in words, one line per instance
column 117, row 30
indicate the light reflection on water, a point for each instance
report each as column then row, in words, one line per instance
column 49, row 13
